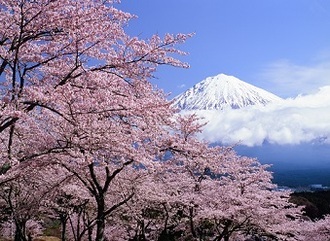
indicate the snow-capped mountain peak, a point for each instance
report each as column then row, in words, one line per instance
column 223, row 91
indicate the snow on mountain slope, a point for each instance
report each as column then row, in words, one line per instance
column 222, row 92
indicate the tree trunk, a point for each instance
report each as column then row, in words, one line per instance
column 90, row 234
column 20, row 231
column 191, row 221
column 63, row 220
column 100, row 225
column 100, row 222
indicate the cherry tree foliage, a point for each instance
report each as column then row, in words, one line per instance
column 73, row 60
column 225, row 196
column 214, row 194
column 22, row 200
column 86, row 139
column 320, row 230
column 75, row 92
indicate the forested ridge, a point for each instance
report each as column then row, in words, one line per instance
column 316, row 204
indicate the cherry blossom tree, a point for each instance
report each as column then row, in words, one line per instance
column 217, row 193
column 74, row 91
column 23, row 198
column 71, row 205
column 52, row 50
column 318, row 230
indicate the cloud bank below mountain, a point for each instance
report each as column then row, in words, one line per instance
column 293, row 121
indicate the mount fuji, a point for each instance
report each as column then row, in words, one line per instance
column 223, row 92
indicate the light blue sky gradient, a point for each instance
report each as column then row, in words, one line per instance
column 282, row 46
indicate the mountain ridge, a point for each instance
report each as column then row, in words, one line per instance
column 223, row 91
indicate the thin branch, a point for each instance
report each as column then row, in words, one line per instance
column 114, row 174
column 114, row 207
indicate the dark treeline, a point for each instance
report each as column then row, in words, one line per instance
column 317, row 204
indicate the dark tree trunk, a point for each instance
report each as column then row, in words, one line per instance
column 100, row 223
column 20, row 231
column 90, row 234
column 191, row 221
column 63, row 220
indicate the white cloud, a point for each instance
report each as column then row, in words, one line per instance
column 288, row 79
column 293, row 121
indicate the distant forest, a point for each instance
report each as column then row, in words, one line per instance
column 317, row 204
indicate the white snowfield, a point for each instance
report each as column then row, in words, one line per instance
column 222, row 92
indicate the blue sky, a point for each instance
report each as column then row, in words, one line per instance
column 282, row 46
